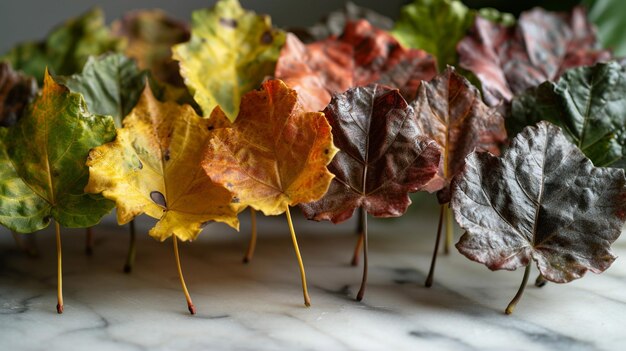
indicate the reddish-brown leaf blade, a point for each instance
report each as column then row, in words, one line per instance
column 451, row 112
column 509, row 60
column 383, row 156
column 362, row 55
column 16, row 91
column 542, row 200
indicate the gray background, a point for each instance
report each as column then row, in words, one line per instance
column 32, row 19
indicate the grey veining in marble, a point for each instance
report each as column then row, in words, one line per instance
column 259, row 306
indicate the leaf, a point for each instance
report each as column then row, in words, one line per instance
column 361, row 55
column 509, row 60
column 589, row 103
column 608, row 17
column 153, row 167
column 230, row 52
column 66, row 48
column 274, row 155
column 42, row 171
column 383, row 156
column 335, row 22
column 435, row 26
column 16, row 91
column 150, row 35
column 450, row 111
column 542, row 200
column 111, row 85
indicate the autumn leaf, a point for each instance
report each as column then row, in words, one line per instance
column 362, row 55
column 111, row 85
column 509, row 60
column 435, row 26
column 16, row 91
column 153, row 167
column 334, row 23
column 543, row 200
column 273, row 156
column 383, row 156
column 589, row 103
column 150, row 35
column 66, row 48
column 230, row 52
column 450, row 111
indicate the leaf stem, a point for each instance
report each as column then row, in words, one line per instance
column 363, row 218
column 89, row 241
column 540, row 282
column 433, row 262
column 359, row 243
column 511, row 307
column 449, row 229
column 132, row 248
column 59, row 269
column 252, row 244
column 305, row 291
column 190, row 306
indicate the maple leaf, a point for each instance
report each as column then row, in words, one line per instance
column 42, row 166
column 362, row 55
column 509, row 60
column 152, row 167
column 230, row 52
column 589, row 103
column 334, row 23
column 450, row 111
column 16, row 91
column 66, row 48
column 543, row 200
column 273, row 156
column 150, row 35
column 383, row 156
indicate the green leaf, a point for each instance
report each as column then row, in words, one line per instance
column 435, row 26
column 608, row 16
column 493, row 15
column 230, row 52
column 111, row 85
column 66, row 48
column 589, row 103
column 42, row 163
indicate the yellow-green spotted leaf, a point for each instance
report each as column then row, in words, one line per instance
column 230, row 52
column 42, row 163
column 66, row 48
column 153, row 167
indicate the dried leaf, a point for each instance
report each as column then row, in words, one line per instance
column 42, row 163
column 334, row 23
column 589, row 103
column 150, row 35
column 66, row 48
column 230, row 52
column 274, row 155
column 153, row 167
column 450, row 111
column 16, row 91
column 111, row 85
column 509, row 60
column 435, row 26
column 542, row 200
column 361, row 55
column 383, row 156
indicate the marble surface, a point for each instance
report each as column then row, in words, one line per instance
column 259, row 306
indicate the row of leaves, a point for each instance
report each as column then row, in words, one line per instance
column 125, row 131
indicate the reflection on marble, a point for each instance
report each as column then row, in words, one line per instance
column 259, row 305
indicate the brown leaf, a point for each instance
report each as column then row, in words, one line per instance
column 542, row 45
column 16, row 91
column 362, row 55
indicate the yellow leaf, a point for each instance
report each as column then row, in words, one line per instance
column 274, row 155
column 153, row 167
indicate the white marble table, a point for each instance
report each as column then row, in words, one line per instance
column 259, row 306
